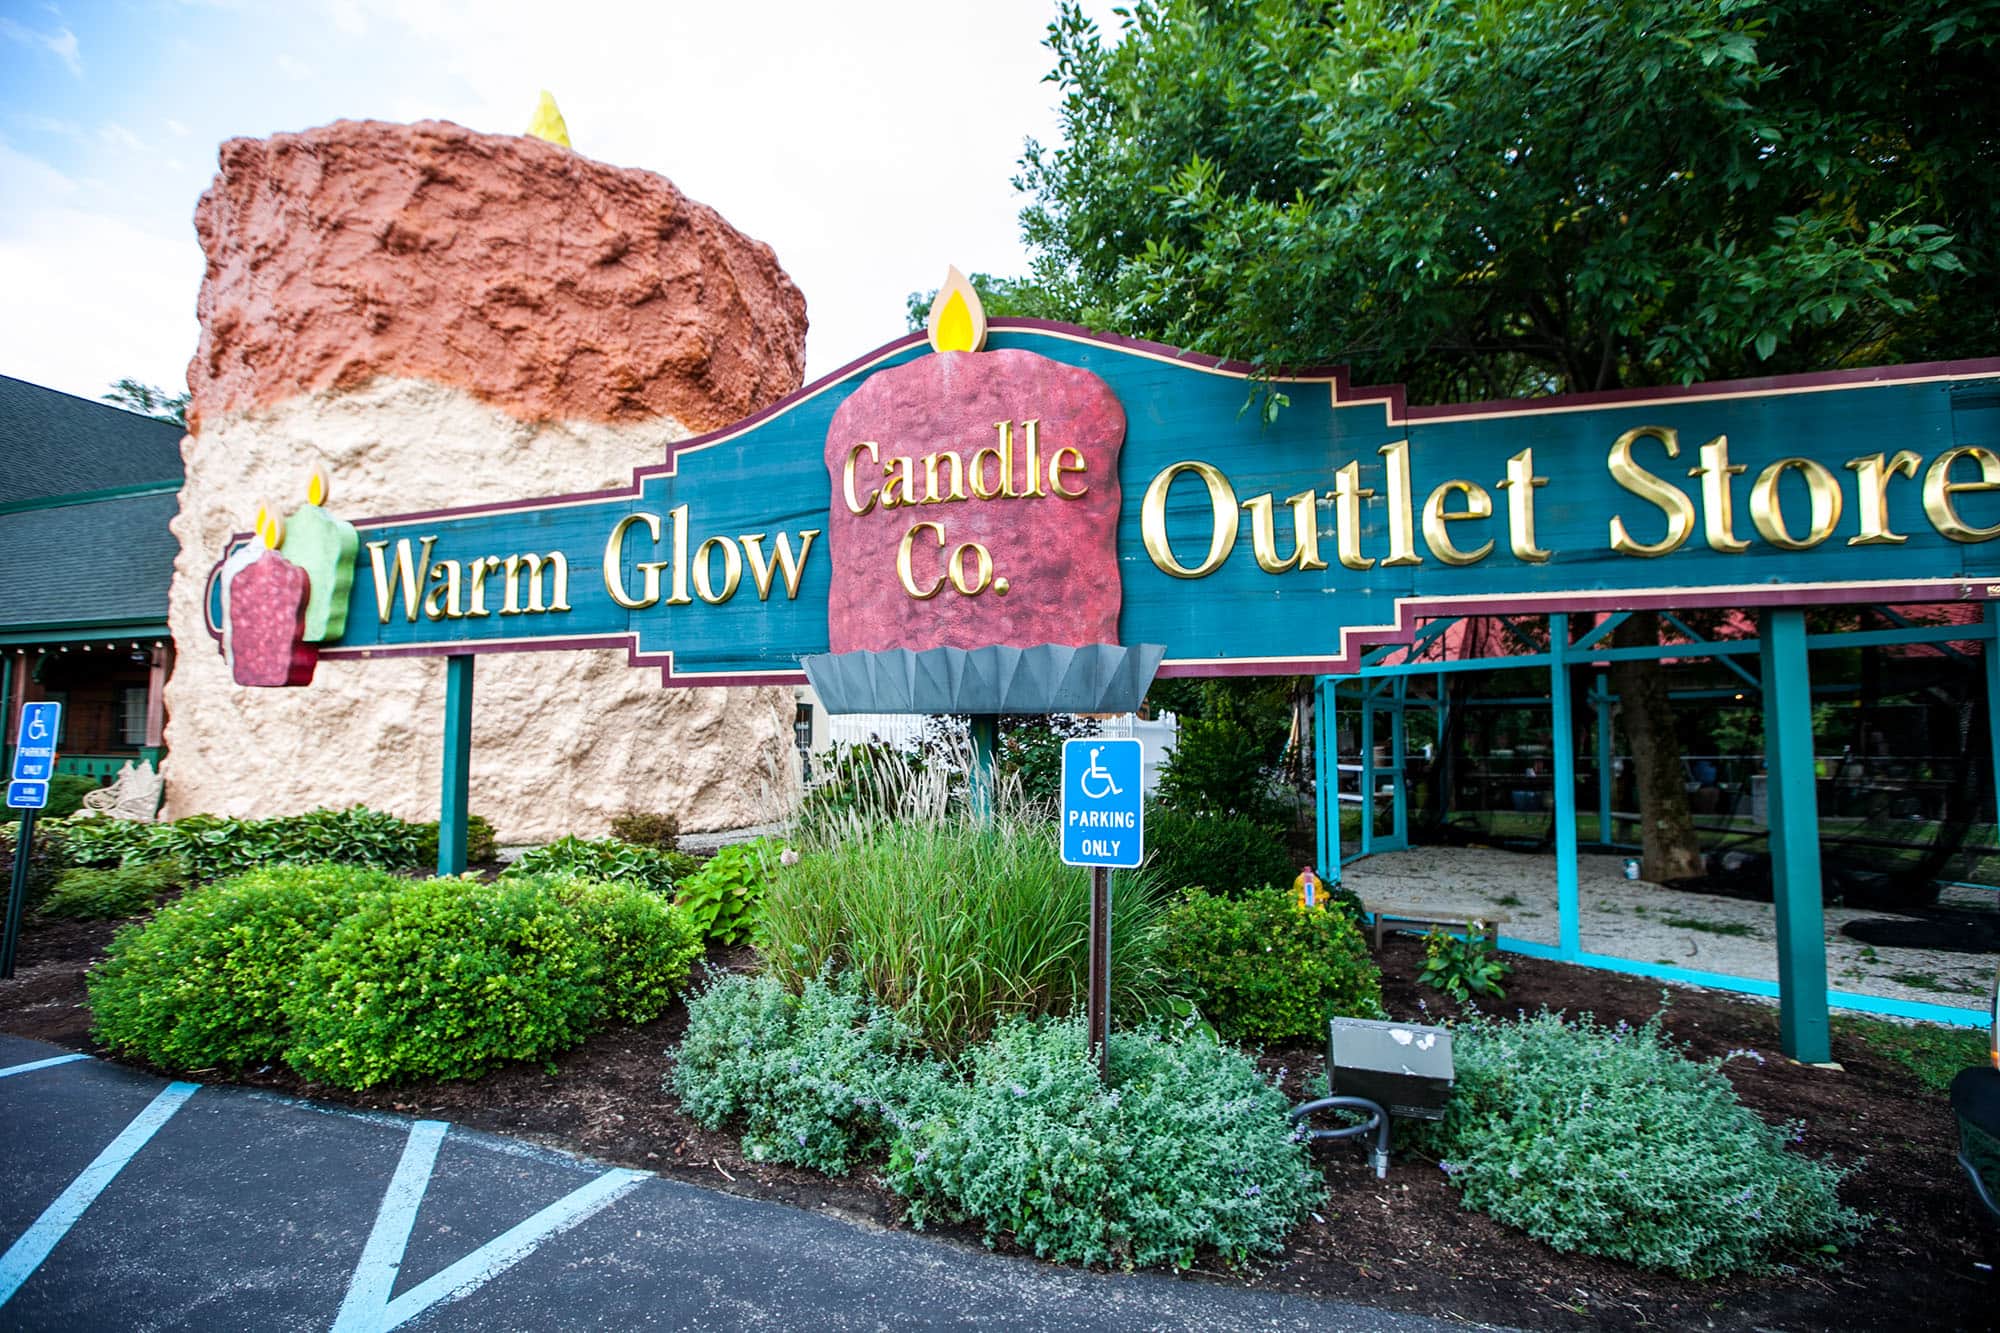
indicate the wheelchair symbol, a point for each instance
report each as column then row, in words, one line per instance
column 1096, row 780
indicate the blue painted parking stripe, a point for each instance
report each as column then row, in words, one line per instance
column 25, row 1255
column 496, row 1256
column 33, row 1065
column 382, row 1257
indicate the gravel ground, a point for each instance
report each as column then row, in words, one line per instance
column 1650, row 924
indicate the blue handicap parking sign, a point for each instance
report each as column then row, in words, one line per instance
column 34, row 756
column 1103, row 820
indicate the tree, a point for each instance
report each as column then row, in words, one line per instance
column 148, row 401
column 1497, row 198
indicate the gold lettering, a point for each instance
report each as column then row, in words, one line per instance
column 1872, row 495
column 957, row 491
column 1520, row 486
column 1348, row 493
column 1305, row 533
column 1718, row 514
column 406, row 576
column 1939, row 488
column 1767, row 512
column 442, row 601
column 532, row 566
column 1033, row 427
column 1402, row 541
column 900, row 490
column 793, row 566
column 732, row 569
column 1058, row 469
column 854, row 502
column 905, row 575
column 982, row 563
column 1003, row 457
column 1478, row 504
column 1153, row 520
column 614, row 565
column 679, row 515
column 476, row 594
column 1667, row 497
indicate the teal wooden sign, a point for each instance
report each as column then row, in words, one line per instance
column 920, row 497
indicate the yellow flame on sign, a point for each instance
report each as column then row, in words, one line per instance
column 958, row 320
column 548, row 122
column 270, row 528
column 316, row 488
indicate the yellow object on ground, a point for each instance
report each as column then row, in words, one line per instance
column 548, row 122
column 1309, row 888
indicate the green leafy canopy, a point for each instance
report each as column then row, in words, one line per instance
column 1484, row 198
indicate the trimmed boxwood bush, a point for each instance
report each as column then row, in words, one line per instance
column 1221, row 853
column 445, row 979
column 1612, row 1142
column 649, row 946
column 204, row 982
column 1182, row 1148
column 1263, row 969
column 121, row 891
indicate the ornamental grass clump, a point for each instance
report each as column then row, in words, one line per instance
column 204, row 983
column 814, row 1078
column 1184, row 1148
column 956, row 924
column 1612, row 1142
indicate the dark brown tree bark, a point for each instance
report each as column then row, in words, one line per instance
column 1670, row 850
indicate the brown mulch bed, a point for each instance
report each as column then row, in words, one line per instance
column 1403, row 1243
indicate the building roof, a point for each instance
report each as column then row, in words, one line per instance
column 86, row 493
column 56, row 445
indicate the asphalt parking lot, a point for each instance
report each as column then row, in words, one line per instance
column 133, row 1202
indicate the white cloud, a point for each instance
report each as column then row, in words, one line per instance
column 175, row 128
column 116, row 135
column 61, row 43
column 293, row 68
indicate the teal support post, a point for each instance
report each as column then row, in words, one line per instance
column 1794, row 821
column 1992, row 656
column 1399, row 800
column 1562, row 748
column 1326, row 782
column 1367, row 767
column 452, row 801
column 985, row 739
column 1601, row 696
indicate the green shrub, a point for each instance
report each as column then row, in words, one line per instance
column 102, row 842
column 724, row 898
column 204, row 982
column 606, row 860
column 814, row 1078
column 957, row 924
column 481, row 846
column 649, row 947
column 445, row 979
column 1263, row 969
column 1463, row 967
column 215, row 848
column 1222, row 853
column 47, row 859
column 1612, row 1142
column 1220, row 766
column 647, row 828
column 1183, row 1148
column 121, row 891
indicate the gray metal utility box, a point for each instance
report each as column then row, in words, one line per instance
column 1403, row 1067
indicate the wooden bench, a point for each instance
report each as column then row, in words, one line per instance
column 1381, row 915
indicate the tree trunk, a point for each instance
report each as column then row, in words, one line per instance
column 1670, row 849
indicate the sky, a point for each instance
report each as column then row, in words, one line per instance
column 869, row 142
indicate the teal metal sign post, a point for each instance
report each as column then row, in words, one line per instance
column 454, row 812
column 1794, row 822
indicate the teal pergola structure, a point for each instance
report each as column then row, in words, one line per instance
column 1783, row 648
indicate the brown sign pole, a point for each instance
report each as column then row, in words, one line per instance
column 1098, row 1008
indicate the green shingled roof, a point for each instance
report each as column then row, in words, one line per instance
column 54, row 444
column 86, row 492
